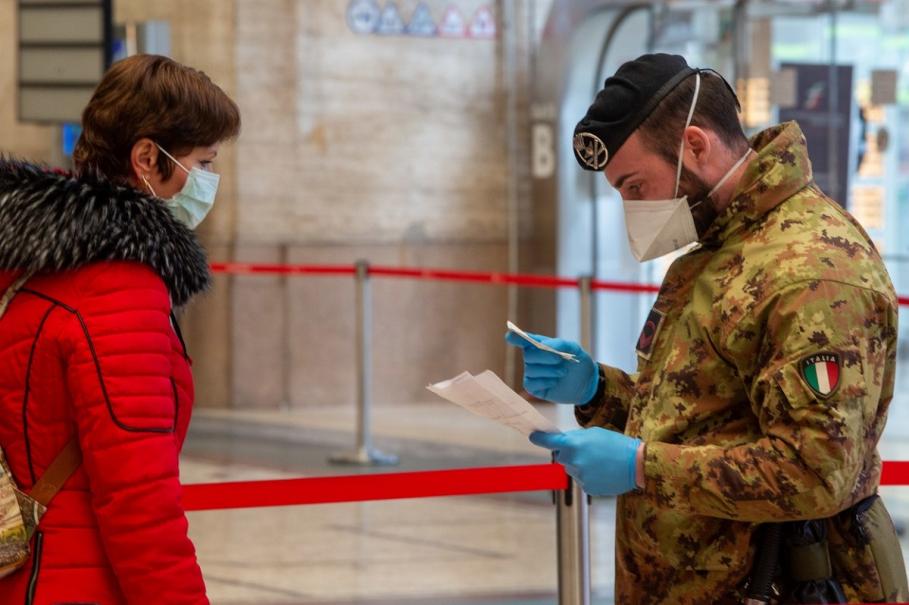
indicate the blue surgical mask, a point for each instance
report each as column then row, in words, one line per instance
column 192, row 203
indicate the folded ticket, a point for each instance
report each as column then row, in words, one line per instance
column 538, row 344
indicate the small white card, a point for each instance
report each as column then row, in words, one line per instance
column 539, row 344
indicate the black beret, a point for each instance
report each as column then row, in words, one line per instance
column 625, row 101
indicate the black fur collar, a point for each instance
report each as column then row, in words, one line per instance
column 53, row 222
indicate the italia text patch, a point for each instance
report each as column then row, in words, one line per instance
column 821, row 372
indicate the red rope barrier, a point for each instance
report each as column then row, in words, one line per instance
column 386, row 486
column 624, row 287
column 895, row 473
column 277, row 269
column 480, row 277
column 395, row 486
column 534, row 281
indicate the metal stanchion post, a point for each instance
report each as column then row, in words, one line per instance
column 365, row 454
column 572, row 518
column 573, row 515
column 585, row 285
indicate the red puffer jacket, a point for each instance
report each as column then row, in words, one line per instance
column 90, row 347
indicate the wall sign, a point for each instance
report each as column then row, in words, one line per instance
column 543, row 162
column 883, row 86
column 483, row 26
column 363, row 16
column 427, row 20
column 422, row 25
column 390, row 21
column 813, row 113
column 452, row 25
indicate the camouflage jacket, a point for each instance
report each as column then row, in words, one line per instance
column 765, row 370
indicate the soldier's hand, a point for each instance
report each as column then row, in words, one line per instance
column 602, row 461
column 553, row 378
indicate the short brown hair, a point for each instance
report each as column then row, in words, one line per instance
column 716, row 110
column 151, row 96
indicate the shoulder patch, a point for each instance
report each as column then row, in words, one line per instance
column 649, row 333
column 821, row 372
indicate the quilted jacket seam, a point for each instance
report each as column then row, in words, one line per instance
column 97, row 363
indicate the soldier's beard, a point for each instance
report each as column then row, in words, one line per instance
column 703, row 209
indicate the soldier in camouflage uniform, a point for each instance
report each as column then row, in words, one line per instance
column 765, row 370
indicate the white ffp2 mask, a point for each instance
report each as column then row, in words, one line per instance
column 658, row 227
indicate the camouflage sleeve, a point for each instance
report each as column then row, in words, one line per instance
column 609, row 407
column 817, row 360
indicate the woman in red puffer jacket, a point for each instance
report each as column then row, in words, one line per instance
column 90, row 347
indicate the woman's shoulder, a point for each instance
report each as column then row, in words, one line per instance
column 56, row 223
column 117, row 275
column 104, row 287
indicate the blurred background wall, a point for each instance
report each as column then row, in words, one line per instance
column 390, row 148
column 437, row 133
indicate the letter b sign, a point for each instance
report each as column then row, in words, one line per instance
column 543, row 151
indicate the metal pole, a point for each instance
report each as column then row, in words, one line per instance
column 512, row 144
column 572, row 518
column 739, row 46
column 364, row 359
column 364, row 454
column 286, row 370
column 833, row 124
column 573, row 506
column 585, row 284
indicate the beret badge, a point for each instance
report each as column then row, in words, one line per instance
column 591, row 150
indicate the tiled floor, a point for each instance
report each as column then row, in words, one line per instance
column 473, row 550
column 466, row 550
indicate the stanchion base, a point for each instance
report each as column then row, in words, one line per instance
column 368, row 457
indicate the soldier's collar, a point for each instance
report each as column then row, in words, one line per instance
column 780, row 169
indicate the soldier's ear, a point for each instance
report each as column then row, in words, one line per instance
column 698, row 145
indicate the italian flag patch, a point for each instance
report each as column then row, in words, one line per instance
column 821, row 372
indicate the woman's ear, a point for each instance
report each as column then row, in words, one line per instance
column 144, row 160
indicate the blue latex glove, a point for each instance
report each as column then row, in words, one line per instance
column 550, row 377
column 602, row 461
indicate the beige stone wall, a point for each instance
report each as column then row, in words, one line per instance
column 390, row 149
column 364, row 139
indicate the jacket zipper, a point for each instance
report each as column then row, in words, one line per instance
column 36, row 568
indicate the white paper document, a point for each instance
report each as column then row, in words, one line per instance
column 539, row 344
column 488, row 396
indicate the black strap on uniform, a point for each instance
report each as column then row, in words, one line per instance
column 760, row 588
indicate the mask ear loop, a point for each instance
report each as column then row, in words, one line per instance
column 173, row 159
column 147, row 184
column 186, row 170
column 694, row 102
column 735, row 167
column 735, row 96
